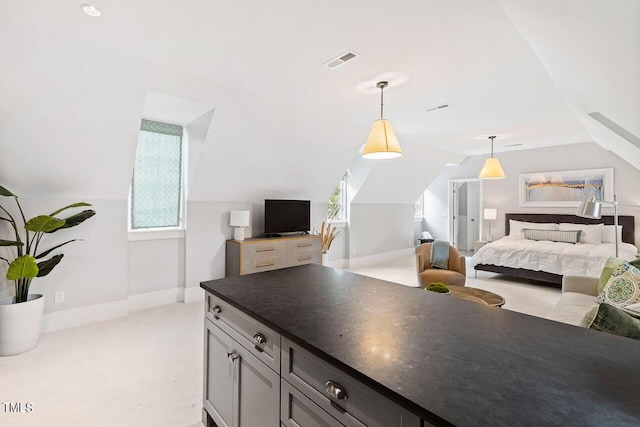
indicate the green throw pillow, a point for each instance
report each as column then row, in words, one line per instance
column 609, row 267
column 623, row 287
column 607, row 318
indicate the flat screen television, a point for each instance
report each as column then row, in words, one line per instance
column 286, row 216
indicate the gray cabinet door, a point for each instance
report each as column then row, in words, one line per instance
column 257, row 388
column 218, row 375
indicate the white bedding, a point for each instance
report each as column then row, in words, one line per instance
column 583, row 259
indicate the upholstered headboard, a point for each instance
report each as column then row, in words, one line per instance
column 626, row 221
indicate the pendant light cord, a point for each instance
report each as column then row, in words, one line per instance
column 492, row 138
column 381, row 102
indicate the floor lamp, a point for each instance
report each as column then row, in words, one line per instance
column 591, row 207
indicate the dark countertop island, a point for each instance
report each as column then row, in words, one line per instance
column 446, row 359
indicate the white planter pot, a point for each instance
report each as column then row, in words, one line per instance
column 20, row 324
column 325, row 259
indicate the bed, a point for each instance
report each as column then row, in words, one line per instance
column 546, row 261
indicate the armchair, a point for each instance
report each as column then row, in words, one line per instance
column 455, row 274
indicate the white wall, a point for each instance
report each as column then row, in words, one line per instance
column 377, row 228
column 94, row 270
column 503, row 194
column 155, row 265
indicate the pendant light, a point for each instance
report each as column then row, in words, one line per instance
column 492, row 168
column 382, row 142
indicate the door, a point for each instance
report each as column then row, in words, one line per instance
column 219, row 375
column 465, row 200
column 257, row 390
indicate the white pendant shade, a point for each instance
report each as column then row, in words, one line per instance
column 492, row 169
column 382, row 142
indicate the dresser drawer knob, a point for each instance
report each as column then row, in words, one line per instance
column 258, row 338
column 335, row 390
column 216, row 311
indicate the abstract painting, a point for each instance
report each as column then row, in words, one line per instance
column 565, row 189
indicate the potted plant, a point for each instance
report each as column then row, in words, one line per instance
column 326, row 238
column 21, row 315
column 438, row 287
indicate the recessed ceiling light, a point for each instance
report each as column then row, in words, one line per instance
column 91, row 10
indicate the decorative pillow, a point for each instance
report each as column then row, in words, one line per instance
column 623, row 287
column 516, row 228
column 607, row 318
column 609, row 233
column 591, row 233
column 609, row 267
column 566, row 236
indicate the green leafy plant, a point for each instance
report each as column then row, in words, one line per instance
column 30, row 261
column 438, row 287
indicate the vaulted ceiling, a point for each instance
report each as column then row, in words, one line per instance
column 73, row 88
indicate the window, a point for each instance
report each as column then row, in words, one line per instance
column 337, row 203
column 418, row 208
column 156, row 187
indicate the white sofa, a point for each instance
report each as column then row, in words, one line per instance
column 578, row 296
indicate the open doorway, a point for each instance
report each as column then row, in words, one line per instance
column 465, row 201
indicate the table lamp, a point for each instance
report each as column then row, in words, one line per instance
column 239, row 220
column 490, row 214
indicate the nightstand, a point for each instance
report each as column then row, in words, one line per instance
column 478, row 244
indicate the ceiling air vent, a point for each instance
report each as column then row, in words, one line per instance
column 439, row 107
column 338, row 61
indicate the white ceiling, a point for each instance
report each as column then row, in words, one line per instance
column 73, row 87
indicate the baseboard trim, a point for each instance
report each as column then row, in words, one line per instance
column 153, row 299
column 83, row 315
column 385, row 256
column 192, row 294
column 64, row 319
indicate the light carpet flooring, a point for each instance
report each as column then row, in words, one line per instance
column 146, row 369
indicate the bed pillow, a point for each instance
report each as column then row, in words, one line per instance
column 591, row 233
column 607, row 318
column 564, row 236
column 516, row 228
column 623, row 287
column 609, row 234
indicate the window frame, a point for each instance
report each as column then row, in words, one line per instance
column 420, row 201
column 169, row 232
column 342, row 184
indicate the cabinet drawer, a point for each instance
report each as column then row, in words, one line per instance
column 309, row 244
column 296, row 410
column 359, row 406
column 246, row 331
column 263, row 263
column 303, row 258
column 263, row 248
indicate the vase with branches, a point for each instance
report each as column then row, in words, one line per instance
column 327, row 236
column 30, row 260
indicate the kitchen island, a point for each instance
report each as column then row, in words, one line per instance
column 318, row 344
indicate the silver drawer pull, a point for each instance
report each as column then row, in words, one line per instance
column 265, row 265
column 304, row 258
column 216, row 311
column 335, row 390
column 265, row 250
column 232, row 355
column 304, row 245
column 258, row 338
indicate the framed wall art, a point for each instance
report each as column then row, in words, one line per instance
column 565, row 188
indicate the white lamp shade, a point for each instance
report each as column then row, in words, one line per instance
column 382, row 142
column 492, row 169
column 490, row 214
column 239, row 219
